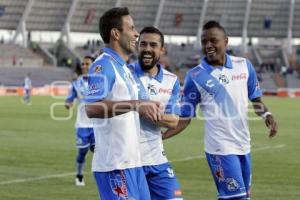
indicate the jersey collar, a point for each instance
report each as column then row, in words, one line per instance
column 140, row 72
column 115, row 55
column 208, row 67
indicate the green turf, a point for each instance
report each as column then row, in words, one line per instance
column 33, row 145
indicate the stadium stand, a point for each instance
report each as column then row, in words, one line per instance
column 39, row 76
column 229, row 13
column 14, row 55
column 275, row 19
column 48, row 15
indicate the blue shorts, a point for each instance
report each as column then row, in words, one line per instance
column 122, row 184
column 84, row 137
column 162, row 182
column 232, row 175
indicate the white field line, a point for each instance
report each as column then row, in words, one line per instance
column 171, row 161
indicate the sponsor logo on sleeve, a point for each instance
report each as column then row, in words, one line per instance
column 94, row 88
column 98, row 69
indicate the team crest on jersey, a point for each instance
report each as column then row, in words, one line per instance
column 232, row 184
column 118, row 185
column 223, row 79
column 98, row 69
column 152, row 89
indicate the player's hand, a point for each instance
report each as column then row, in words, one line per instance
column 272, row 125
column 68, row 105
column 150, row 110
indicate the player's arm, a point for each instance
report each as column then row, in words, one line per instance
column 182, row 124
column 107, row 109
column 191, row 97
column 254, row 94
column 72, row 95
column 261, row 110
column 101, row 82
column 168, row 121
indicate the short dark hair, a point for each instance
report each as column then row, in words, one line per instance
column 90, row 57
column 214, row 24
column 112, row 18
column 152, row 29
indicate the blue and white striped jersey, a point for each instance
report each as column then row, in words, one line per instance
column 163, row 88
column 117, row 138
column 222, row 93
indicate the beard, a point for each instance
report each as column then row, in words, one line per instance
column 147, row 66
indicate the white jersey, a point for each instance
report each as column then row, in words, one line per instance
column 163, row 88
column 223, row 95
column 117, row 138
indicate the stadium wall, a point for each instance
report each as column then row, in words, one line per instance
column 59, row 91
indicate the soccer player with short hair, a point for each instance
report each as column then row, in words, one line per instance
column 113, row 102
column 84, row 132
column 223, row 84
column 157, row 84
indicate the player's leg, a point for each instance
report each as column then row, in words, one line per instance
column 82, row 143
column 227, row 173
column 162, row 182
column 247, row 172
column 92, row 139
column 122, row 184
column 26, row 96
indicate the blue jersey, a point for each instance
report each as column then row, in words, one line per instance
column 77, row 91
column 117, row 138
column 222, row 93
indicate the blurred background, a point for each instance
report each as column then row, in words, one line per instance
column 48, row 40
column 52, row 36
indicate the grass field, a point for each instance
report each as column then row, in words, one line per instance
column 37, row 155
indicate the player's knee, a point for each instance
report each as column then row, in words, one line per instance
column 81, row 155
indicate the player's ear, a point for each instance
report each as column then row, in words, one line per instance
column 162, row 50
column 226, row 41
column 115, row 34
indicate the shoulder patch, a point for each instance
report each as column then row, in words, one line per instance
column 98, row 69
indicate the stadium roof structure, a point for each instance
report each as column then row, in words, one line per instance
column 241, row 18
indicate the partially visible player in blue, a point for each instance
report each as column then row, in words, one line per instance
column 113, row 103
column 84, row 132
column 157, row 84
column 27, row 89
column 222, row 85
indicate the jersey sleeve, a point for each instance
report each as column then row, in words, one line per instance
column 72, row 93
column 190, row 98
column 173, row 104
column 254, row 90
column 101, row 79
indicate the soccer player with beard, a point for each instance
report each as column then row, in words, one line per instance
column 157, row 84
column 223, row 84
column 113, row 103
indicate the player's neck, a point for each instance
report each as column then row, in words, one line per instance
column 119, row 50
column 218, row 63
column 153, row 71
